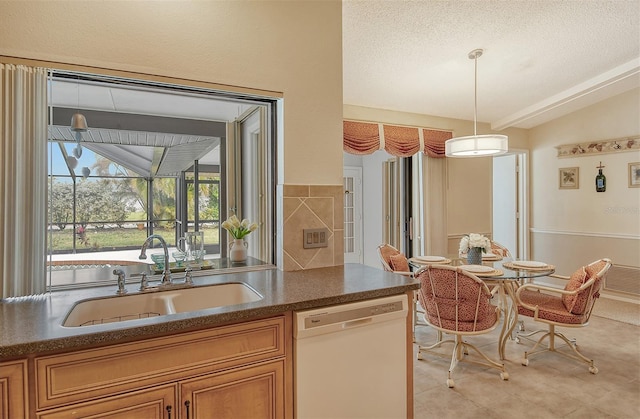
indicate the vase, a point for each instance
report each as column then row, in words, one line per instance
column 474, row 256
column 238, row 251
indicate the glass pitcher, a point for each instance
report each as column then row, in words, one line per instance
column 192, row 244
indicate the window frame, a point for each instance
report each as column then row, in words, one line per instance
column 268, row 101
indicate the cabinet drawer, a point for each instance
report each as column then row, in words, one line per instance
column 87, row 374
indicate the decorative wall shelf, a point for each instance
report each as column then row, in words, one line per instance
column 599, row 147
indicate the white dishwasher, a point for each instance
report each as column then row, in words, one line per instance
column 351, row 360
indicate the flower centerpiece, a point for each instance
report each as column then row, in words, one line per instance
column 473, row 245
column 238, row 230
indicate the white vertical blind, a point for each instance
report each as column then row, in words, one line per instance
column 23, row 179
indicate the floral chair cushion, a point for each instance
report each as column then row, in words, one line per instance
column 399, row 262
column 570, row 309
column 386, row 251
column 575, row 303
column 449, row 311
column 550, row 307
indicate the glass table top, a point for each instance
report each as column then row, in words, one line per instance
column 505, row 268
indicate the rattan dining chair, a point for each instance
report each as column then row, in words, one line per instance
column 456, row 302
column 569, row 307
column 394, row 260
column 500, row 250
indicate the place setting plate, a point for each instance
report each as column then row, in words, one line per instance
column 426, row 260
column 481, row 270
column 528, row 265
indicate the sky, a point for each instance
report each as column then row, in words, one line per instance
column 57, row 165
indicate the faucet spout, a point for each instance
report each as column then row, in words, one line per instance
column 166, row 274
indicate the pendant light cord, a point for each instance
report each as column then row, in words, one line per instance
column 475, row 96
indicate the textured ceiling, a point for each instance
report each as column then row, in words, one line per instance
column 542, row 59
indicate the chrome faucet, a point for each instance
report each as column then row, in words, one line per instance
column 121, row 281
column 166, row 274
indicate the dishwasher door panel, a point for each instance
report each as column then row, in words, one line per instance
column 356, row 368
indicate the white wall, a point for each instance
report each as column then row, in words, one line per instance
column 352, row 160
column 294, row 48
column 572, row 227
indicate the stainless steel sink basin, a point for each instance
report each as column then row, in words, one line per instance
column 160, row 303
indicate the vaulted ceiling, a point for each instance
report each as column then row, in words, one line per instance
column 542, row 59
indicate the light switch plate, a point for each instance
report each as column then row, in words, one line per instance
column 315, row 237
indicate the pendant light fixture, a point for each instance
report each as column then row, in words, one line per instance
column 476, row 145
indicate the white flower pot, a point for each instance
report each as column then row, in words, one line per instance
column 238, row 251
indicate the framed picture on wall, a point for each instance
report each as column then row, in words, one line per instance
column 569, row 177
column 634, row 175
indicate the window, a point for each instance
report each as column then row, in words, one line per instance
column 156, row 159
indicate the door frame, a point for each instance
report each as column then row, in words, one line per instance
column 522, row 202
column 358, row 232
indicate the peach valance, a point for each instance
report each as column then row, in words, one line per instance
column 402, row 141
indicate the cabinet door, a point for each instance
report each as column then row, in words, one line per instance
column 13, row 390
column 254, row 392
column 155, row 403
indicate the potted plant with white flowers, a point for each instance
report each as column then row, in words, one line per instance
column 238, row 230
column 473, row 245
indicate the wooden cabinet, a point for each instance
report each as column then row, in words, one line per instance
column 233, row 371
column 255, row 392
column 153, row 403
column 14, row 401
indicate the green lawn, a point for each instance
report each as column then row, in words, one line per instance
column 118, row 238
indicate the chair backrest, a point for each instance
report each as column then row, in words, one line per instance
column 392, row 259
column 455, row 300
column 587, row 281
column 500, row 250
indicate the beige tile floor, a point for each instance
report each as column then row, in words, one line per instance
column 551, row 386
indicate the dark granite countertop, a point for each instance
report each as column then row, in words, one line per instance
column 33, row 325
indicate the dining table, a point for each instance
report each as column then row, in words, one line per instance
column 502, row 276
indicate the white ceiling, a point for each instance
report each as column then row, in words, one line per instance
column 125, row 98
column 542, row 58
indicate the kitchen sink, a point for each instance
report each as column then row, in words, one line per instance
column 200, row 298
column 158, row 303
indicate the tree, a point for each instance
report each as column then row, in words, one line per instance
column 61, row 203
column 164, row 199
column 102, row 200
column 96, row 200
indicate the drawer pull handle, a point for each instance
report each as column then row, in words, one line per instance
column 187, row 404
column 169, row 412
